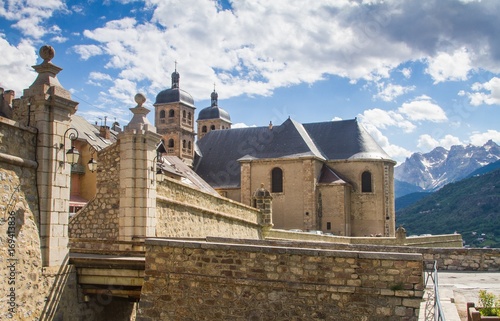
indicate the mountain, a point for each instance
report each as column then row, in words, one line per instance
column 403, row 188
column 409, row 199
column 470, row 207
column 485, row 169
column 433, row 170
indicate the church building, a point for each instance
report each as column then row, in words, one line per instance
column 329, row 176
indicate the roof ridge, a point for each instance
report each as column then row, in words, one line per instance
column 307, row 139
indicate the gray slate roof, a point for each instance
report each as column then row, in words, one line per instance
column 90, row 133
column 221, row 150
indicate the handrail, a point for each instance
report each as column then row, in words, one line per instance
column 437, row 309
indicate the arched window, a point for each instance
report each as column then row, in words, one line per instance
column 183, row 114
column 204, row 129
column 212, row 127
column 366, row 182
column 189, row 145
column 184, row 143
column 189, row 115
column 171, row 143
column 277, row 180
column 171, row 113
column 162, row 114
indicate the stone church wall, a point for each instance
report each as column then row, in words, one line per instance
column 182, row 211
column 192, row 280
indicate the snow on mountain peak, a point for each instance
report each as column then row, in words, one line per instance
column 440, row 166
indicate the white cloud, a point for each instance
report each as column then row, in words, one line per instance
column 383, row 119
column 479, row 139
column 486, row 93
column 390, row 91
column 406, row 72
column 336, row 118
column 15, row 66
column 423, row 109
column 427, row 143
column 99, row 76
column 445, row 66
column 396, row 152
column 29, row 16
column 87, row 51
column 242, row 125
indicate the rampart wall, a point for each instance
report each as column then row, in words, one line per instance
column 189, row 280
column 452, row 259
column 99, row 218
column 27, row 291
column 186, row 212
column 439, row 241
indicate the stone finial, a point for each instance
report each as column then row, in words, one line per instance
column 139, row 121
column 401, row 233
column 140, row 99
column 47, row 53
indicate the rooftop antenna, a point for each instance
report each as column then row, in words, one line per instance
column 105, row 118
column 100, row 118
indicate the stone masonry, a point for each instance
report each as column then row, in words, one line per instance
column 189, row 280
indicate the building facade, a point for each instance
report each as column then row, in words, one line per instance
column 329, row 176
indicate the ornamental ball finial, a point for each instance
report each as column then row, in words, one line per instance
column 140, row 99
column 47, row 53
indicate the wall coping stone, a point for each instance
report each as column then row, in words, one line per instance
column 177, row 243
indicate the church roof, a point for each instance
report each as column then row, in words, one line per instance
column 221, row 150
column 174, row 94
column 214, row 111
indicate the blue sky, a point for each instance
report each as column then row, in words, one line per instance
column 417, row 74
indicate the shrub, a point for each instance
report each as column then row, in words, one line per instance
column 489, row 303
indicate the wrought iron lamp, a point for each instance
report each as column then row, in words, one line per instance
column 72, row 155
column 158, row 172
column 92, row 164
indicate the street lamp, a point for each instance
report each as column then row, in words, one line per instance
column 72, row 155
column 159, row 172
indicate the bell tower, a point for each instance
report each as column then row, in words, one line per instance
column 174, row 120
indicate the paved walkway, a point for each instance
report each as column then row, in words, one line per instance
column 458, row 288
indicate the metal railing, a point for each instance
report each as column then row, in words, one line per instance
column 433, row 309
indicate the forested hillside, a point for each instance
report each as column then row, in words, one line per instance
column 470, row 207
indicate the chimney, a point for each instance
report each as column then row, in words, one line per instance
column 104, row 132
column 270, row 125
column 8, row 96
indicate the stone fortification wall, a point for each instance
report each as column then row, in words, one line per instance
column 28, row 291
column 191, row 280
column 186, row 212
column 438, row 241
column 99, row 218
column 452, row 259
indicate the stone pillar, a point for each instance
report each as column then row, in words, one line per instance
column 137, row 175
column 263, row 201
column 245, row 185
column 47, row 106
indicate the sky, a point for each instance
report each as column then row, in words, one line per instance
column 416, row 74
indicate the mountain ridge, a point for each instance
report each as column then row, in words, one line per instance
column 430, row 171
